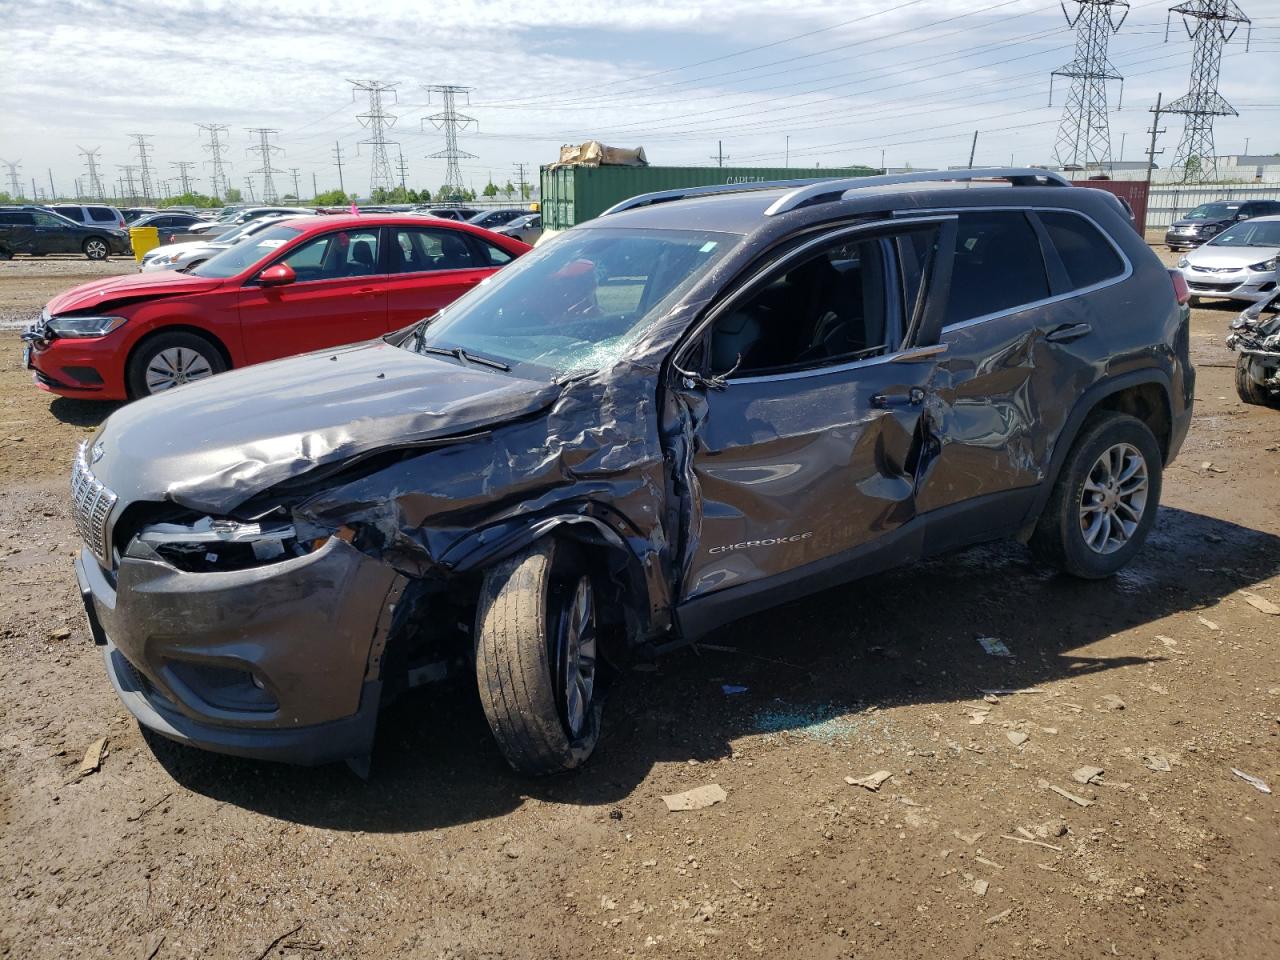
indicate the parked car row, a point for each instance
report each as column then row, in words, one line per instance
column 685, row 411
column 1210, row 219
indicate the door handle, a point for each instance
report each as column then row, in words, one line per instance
column 1069, row 332
column 913, row 397
column 365, row 290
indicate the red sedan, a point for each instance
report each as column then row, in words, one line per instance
column 307, row 283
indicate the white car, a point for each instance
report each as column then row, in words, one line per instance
column 174, row 256
column 1237, row 264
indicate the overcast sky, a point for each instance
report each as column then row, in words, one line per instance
column 844, row 80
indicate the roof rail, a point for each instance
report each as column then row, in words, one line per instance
column 681, row 193
column 826, row 191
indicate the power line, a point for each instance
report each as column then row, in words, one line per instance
column 450, row 121
column 1216, row 22
column 378, row 121
column 524, row 190
column 141, row 144
column 215, row 146
column 297, row 190
column 95, row 182
column 184, row 174
column 337, row 158
column 130, row 172
column 264, row 148
column 15, row 182
column 1084, row 136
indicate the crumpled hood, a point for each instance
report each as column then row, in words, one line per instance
column 1221, row 256
column 213, row 444
column 134, row 286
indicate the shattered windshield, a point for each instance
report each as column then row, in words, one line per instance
column 577, row 302
column 1250, row 233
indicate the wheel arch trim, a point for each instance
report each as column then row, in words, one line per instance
column 1088, row 402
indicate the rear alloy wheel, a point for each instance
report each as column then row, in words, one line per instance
column 169, row 361
column 95, row 248
column 537, row 649
column 1105, row 499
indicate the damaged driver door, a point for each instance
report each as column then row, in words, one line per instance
column 808, row 395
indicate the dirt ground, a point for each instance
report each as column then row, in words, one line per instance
column 1165, row 677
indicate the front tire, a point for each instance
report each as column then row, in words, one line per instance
column 1104, row 502
column 170, row 360
column 95, row 248
column 536, row 655
column 1249, row 389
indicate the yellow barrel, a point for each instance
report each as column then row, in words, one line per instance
column 143, row 239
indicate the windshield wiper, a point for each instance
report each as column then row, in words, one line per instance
column 459, row 354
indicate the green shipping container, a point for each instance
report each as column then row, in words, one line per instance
column 575, row 194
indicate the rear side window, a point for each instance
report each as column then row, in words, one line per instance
column 998, row 265
column 17, row 217
column 492, row 254
column 102, row 215
column 1088, row 256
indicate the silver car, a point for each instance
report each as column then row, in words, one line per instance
column 176, row 256
column 1237, row 264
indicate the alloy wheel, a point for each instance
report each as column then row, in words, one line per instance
column 1114, row 498
column 96, row 250
column 174, row 367
column 575, row 652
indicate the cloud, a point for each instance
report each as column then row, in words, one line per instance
column 913, row 81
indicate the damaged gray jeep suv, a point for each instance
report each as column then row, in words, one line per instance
column 700, row 404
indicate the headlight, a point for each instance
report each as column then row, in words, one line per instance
column 210, row 544
column 84, row 326
column 1265, row 265
column 1182, row 261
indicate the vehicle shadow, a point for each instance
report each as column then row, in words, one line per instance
column 904, row 637
column 82, row 413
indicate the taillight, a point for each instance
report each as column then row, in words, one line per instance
column 1180, row 288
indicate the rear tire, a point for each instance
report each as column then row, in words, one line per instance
column 95, row 248
column 5, row 254
column 170, row 360
column 1105, row 499
column 528, row 663
column 1249, row 389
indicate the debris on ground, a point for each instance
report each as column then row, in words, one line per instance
column 93, row 757
column 997, row 917
column 871, row 781
column 729, row 689
column 1260, row 603
column 1112, row 701
column 969, row 838
column 995, row 647
column 1209, row 623
column 1257, row 782
column 1017, row 737
column 1087, row 775
column 980, row 887
column 62, row 633
column 1037, row 843
column 1155, row 761
column 696, row 799
column 1011, row 691
column 1212, row 467
column 1079, row 801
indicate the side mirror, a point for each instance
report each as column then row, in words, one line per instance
column 277, row 275
column 1242, row 216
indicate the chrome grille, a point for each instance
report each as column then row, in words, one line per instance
column 91, row 505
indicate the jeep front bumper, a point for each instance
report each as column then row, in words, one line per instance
column 277, row 662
